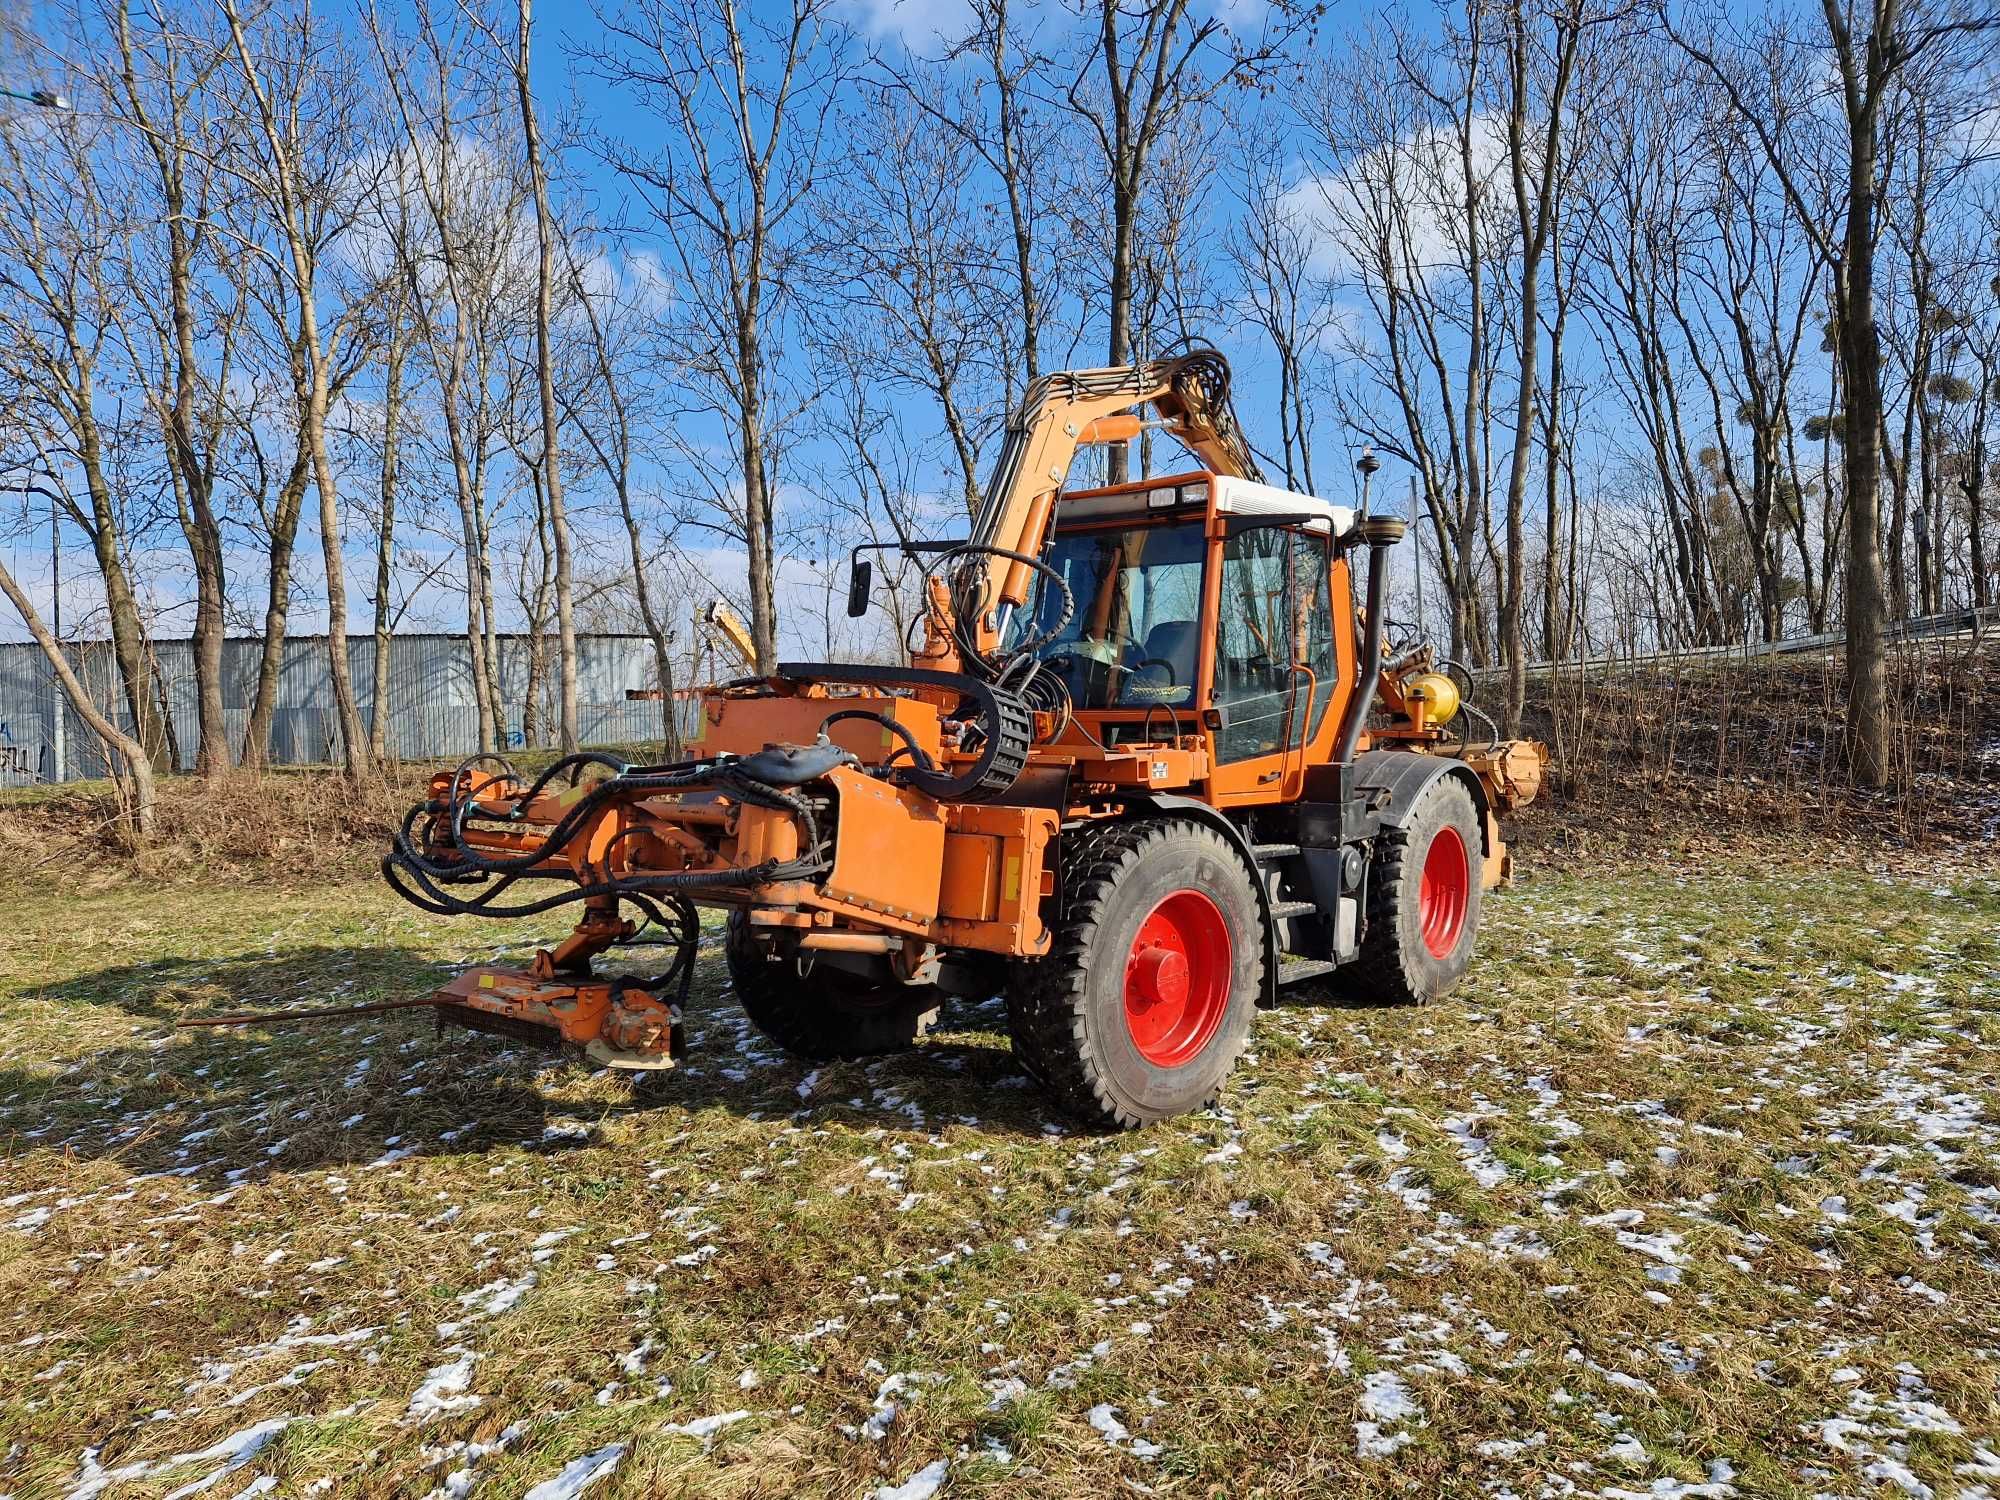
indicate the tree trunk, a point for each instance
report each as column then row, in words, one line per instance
column 256, row 750
column 1973, row 485
column 128, row 630
column 1017, row 214
column 1861, row 353
column 760, row 535
column 1124, row 212
column 135, row 778
column 190, row 465
column 353, row 738
column 285, row 185
column 545, row 375
column 385, row 544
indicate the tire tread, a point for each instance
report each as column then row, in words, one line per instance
column 1383, row 969
column 816, row 1025
column 1046, row 1001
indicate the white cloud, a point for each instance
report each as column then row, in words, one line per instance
column 920, row 25
column 1414, row 187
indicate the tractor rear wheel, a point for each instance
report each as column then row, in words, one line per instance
column 824, row 1013
column 1423, row 901
column 1150, row 987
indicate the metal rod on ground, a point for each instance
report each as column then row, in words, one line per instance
column 332, row 1012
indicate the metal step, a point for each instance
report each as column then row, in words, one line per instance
column 1292, row 970
column 1283, row 909
column 1267, row 852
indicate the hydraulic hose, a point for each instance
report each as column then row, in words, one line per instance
column 919, row 757
column 412, row 872
column 1380, row 533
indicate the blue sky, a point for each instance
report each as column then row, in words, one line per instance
column 566, row 90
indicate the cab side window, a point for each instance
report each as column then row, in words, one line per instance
column 1274, row 612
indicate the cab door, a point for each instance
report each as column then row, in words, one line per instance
column 1276, row 661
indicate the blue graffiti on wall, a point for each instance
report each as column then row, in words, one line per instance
column 20, row 760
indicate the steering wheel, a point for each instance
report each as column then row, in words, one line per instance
column 1086, row 658
column 1158, row 661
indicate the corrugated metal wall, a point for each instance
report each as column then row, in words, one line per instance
column 430, row 703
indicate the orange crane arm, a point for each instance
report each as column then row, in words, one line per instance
column 1072, row 409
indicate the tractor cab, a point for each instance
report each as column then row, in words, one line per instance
column 1198, row 604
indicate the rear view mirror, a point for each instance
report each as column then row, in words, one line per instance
column 859, row 576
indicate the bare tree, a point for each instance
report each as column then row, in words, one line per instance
column 395, row 353
column 999, row 114
column 905, row 235
column 1868, row 48
column 619, row 361
column 740, row 152
column 1406, row 161
column 59, row 315
column 546, row 234
column 306, row 119
column 1275, row 254
column 162, row 82
column 452, row 231
column 131, row 767
column 1538, row 73
column 1149, row 65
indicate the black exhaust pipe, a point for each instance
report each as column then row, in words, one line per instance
column 1379, row 533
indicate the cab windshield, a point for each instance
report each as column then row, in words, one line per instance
column 1130, row 641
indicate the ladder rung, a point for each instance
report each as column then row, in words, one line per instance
column 1266, row 852
column 1283, row 909
column 1292, row 970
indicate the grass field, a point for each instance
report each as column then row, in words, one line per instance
column 1693, row 1190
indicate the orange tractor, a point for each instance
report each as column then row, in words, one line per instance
column 1147, row 765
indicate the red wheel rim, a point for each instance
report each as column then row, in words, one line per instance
column 1443, row 892
column 1177, row 978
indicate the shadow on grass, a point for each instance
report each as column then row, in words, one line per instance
column 240, row 1103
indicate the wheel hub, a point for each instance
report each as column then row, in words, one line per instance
column 1159, row 975
column 1177, row 977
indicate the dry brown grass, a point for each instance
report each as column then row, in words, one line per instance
column 305, row 823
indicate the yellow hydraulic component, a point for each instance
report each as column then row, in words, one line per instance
column 1438, row 694
column 725, row 622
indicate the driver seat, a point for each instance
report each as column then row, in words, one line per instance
column 1173, row 642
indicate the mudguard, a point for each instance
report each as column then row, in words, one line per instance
column 1406, row 774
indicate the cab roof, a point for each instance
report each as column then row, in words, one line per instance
column 1229, row 496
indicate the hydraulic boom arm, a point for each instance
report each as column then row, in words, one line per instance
column 1072, row 409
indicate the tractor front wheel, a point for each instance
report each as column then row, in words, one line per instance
column 1423, row 901
column 1147, row 995
column 824, row 1013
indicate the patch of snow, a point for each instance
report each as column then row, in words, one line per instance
column 497, row 1297
column 444, row 1390
column 704, row 1429
column 1385, row 1398
column 1105, row 1419
column 921, row 1485
column 579, row 1474
column 1370, row 1443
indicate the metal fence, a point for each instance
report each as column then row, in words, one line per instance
column 430, row 706
column 1952, row 623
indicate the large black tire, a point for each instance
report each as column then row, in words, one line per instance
column 1103, row 1022
column 1418, row 941
column 825, row 1013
